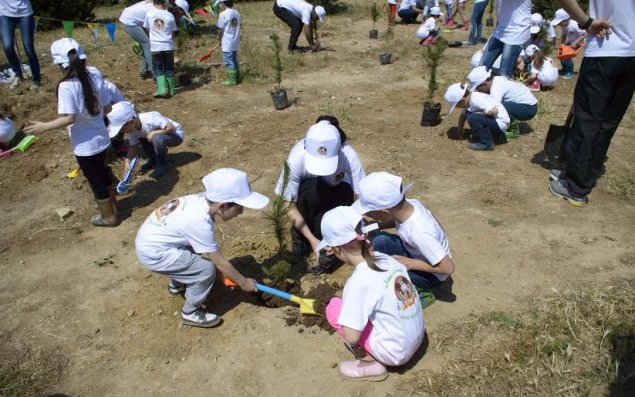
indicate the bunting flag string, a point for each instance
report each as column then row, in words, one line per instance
column 94, row 29
column 37, row 19
column 68, row 27
column 111, row 27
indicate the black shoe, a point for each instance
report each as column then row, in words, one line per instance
column 146, row 75
column 159, row 171
column 147, row 166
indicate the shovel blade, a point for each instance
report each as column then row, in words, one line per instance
column 26, row 143
column 306, row 305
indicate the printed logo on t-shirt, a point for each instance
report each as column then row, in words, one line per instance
column 234, row 23
column 405, row 292
column 159, row 25
column 162, row 212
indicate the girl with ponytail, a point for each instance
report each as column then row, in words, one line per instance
column 379, row 315
column 81, row 98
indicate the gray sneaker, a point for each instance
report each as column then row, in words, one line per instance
column 15, row 83
column 174, row 291
column 556, row 174
column 559, row 188
column 200, row 318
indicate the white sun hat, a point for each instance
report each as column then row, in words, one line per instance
column 322, row 145
column 536, row 23
column 229, row 185
column 454, row 94
column 183, row 4
column 121, row 113
column 7, row 130
column 436, row 11
column 477, row 76
column 321, row 13
column 60, row 49
column 476, row 58
column 339, row 226
column 560, row 16
column 380, row 191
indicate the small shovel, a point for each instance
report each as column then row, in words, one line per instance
column 24, row 144
column 124, row 185
column 306, row 305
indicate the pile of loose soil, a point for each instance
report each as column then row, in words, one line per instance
column 322, row 295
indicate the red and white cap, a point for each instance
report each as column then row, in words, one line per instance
column 322, row 145
column 60, row 49
column 229, row 185
column 339, row 227
column 380, row 191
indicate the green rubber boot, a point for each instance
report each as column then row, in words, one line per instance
column 513, row 132
column 239, row 77
column 171, row 85
column 231, row 78
column 160, row 92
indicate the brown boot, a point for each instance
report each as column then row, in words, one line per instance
column 112, row 196
column 107, row 216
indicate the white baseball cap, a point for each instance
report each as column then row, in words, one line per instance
column 61, row 48
column 454, row 94
column 321, row 12
column 7, row 130
column 560, row 16
column 476, row 58
column 322, row 146
column 229, row 185
column 185, row 7
column 477, row 76
column 339, row 226
column 536, row 23
column 121, row 113
column 435, row 11
column 531, row 50
column 379, row 191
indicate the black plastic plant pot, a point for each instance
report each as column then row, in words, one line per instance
column 430, row 116
column 489, row 22
column 385, row 58
column 373, row 33
column 280, row 100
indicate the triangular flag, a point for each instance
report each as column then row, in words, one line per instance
column 68, row 27
column 202, row 13
column 183, row 21
column 37, row 19
column 111, row 27
column 94, row 29
column 215, row 9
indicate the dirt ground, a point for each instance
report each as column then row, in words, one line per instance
column 77, row 294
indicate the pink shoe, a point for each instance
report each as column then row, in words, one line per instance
column 358, row 370
column 426, row 41
column 466, row 26
column 535, row 86
column 449, row 22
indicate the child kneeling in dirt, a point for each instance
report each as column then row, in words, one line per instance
column 379, row 315
column 177, row 240
column 153, row 131
column 429, row 29
column 488, row 118
column 420, row 244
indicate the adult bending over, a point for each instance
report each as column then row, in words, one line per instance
column 299, row 14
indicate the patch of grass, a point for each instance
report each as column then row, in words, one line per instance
column 28, row 373
column 278, row 271
column 622, row 185
column 563, row 344
column 494, row 222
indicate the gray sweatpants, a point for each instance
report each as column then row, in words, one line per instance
column 139, row 35
column 195, row 273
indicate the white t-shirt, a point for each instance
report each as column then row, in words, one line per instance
column 299, row 8
column 547, row 74
column 229, row 23
column 161, row 26
column 390, row 302
column 135, row 15
column 506, row 90
column 431, row 3
column 423, row 236
column 483, row 103
column 514, row 21
column 349, row 169
column 392, row 2
column 572, row 32
column 115, row 94
column 152, row 121
column 425, row 28
column 15, row 8
column 551, row 31
column 621, row 42
column 407, row 4
column 179, row 224
column 88, row 133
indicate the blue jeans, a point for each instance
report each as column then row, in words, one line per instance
column 477, row 22
column 163, row 63
column 157, row 149
column 510, row 53
column 391, row 244
column 520, row 111
column 485, row 129
column 567, row 66
column 27, row 30
column 230, row 59
column 407, row 15
column 448, row 11
column 138, row 34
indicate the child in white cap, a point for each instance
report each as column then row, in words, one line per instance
column 572, row 36
column 487, row 117
column 81, row 99
column 153, row 131
column 177, row 240
column 161, row 26
column 420, row 244
column 429, row 29
column 542, row 73
column 379, row 315
column 324, row 173
column 537, row 23
column 514, row 96
column 229, row 36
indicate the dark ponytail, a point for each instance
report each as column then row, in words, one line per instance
column 77, row 69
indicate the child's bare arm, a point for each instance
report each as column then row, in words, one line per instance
column 229, row 271
column 169, row 129
column 38, row 127
column 461, row 125
column 297, row 220
column 492, row 112
column 446, row 266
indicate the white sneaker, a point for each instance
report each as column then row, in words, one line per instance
column 15, row 83
column 200, row 318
